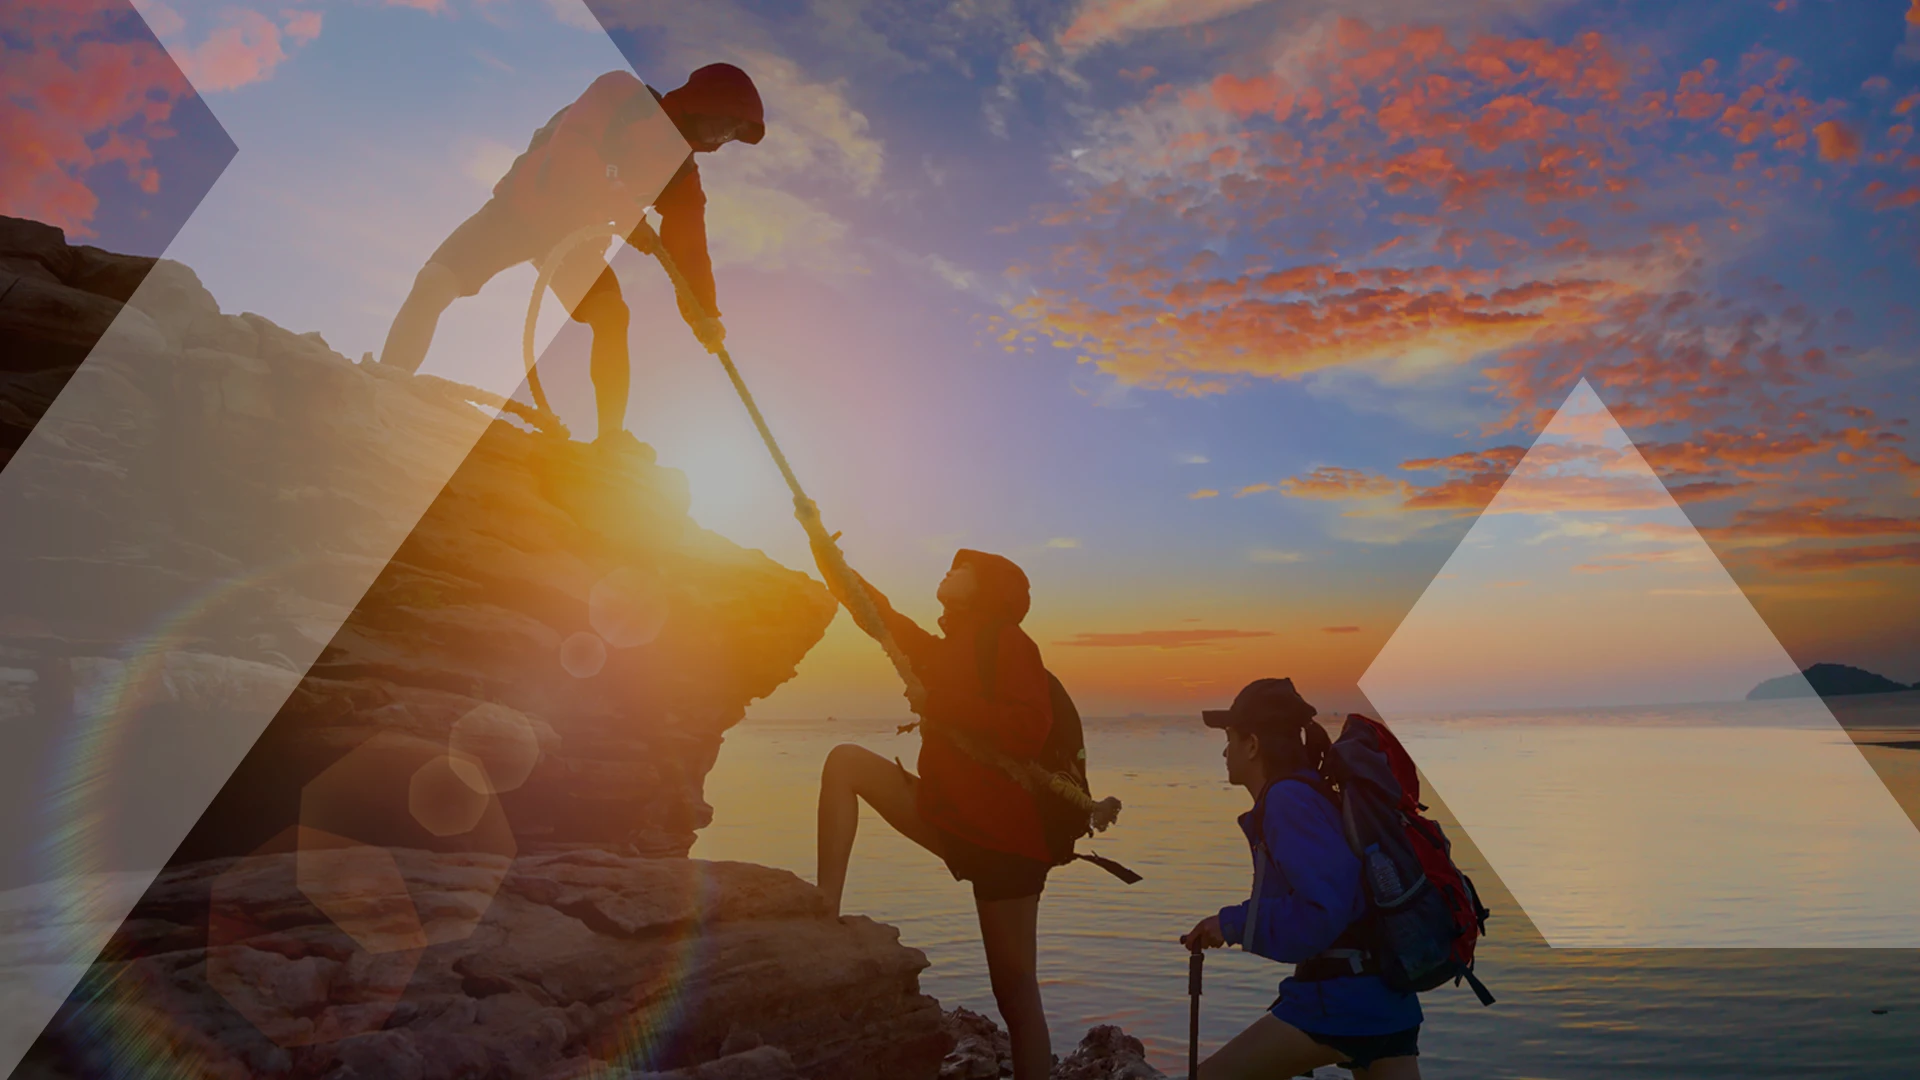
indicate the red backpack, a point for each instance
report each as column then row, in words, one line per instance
column 1423, row 916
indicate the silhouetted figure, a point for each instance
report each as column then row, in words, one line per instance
column 982, row 675
column 573, row 174
column 1307, row 898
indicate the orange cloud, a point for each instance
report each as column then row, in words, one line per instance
column 244, row 49
column 1099, row 22
column 1630, row 560
column 1838, row 142
column 79, row 89
column 1848, row 558
column 1205, row 493
column 1339, row 482
column 1161, row 639
column 1813, row 518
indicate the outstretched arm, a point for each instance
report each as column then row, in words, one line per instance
column 912, row 640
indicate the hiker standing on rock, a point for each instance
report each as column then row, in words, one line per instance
column 1308, row 897
column 982, row 675
column 575, row 173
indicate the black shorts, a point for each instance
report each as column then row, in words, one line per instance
column 996, row 875
column 496, row 238
column 1363, row 1050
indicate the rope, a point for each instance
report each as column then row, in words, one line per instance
column 601, row 232
column 866, row 613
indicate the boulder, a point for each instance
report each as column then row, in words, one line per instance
column 576, row 964
column 981, row 1051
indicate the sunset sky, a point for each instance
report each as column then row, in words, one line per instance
column 1224, row 318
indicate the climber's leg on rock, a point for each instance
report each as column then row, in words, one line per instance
column 493, row 239
column 1009, row 930
column 1271, row 1047
column 610, row 365
column 851, row 774
column 434, row 288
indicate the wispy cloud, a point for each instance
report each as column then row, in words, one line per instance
column 1275, row 556
column 1161, row 639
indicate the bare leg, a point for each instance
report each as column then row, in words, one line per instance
column 853, row 773
column 1008, row 929
column 610, row 365
column 1397, row 1068
column 1270, row 1048
column 434, row 288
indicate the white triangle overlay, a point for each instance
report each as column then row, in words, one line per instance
column 347, row 177
column 1572, row 684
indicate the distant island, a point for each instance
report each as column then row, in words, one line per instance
column 1827, row 680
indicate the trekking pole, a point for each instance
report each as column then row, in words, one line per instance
column 1194, row 963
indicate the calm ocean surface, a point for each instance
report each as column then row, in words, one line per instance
column 1108, row 951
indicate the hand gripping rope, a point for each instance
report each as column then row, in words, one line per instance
column 866, row 614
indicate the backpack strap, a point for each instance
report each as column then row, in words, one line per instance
column 1336, row 963
column 1479, row 988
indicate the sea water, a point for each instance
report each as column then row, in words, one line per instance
column 1109, row 952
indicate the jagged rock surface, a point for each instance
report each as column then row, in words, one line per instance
column 535, row 545
column 583, row 964
column 458, row 848
column 982, row 1051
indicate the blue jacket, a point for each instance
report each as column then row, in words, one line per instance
column 1310, row 893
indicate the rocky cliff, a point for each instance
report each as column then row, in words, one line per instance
column 457, row 850
column 573, row 964
column 458, row 847
column 555, row 619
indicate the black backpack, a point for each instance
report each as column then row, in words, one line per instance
column 1064, row 752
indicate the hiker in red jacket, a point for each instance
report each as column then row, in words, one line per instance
column 600, row 159
column 977, row 819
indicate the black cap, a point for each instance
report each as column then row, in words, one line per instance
column 1263, row 705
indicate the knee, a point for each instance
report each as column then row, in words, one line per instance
column 1014, row 989
column 435, row 286
column 843, row 764
column 605, row 312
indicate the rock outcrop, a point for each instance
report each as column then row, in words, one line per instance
column 572, row 964
column 458, row 849
column 556, row 610
column 981, row 1051
column 1827, row 681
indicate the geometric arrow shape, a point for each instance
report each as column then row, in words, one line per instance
column 1573, row 682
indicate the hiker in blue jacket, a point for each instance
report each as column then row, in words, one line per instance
column 1307, row 898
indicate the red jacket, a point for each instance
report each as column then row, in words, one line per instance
column 957, row 793
column 561, row 183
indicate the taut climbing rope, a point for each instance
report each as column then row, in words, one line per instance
column 866, row 613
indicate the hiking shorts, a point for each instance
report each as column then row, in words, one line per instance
column 996, row 875
column 1363, row 1050
column 496, row 238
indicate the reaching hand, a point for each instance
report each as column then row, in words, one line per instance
column 1205, row 935
column 711, row 333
